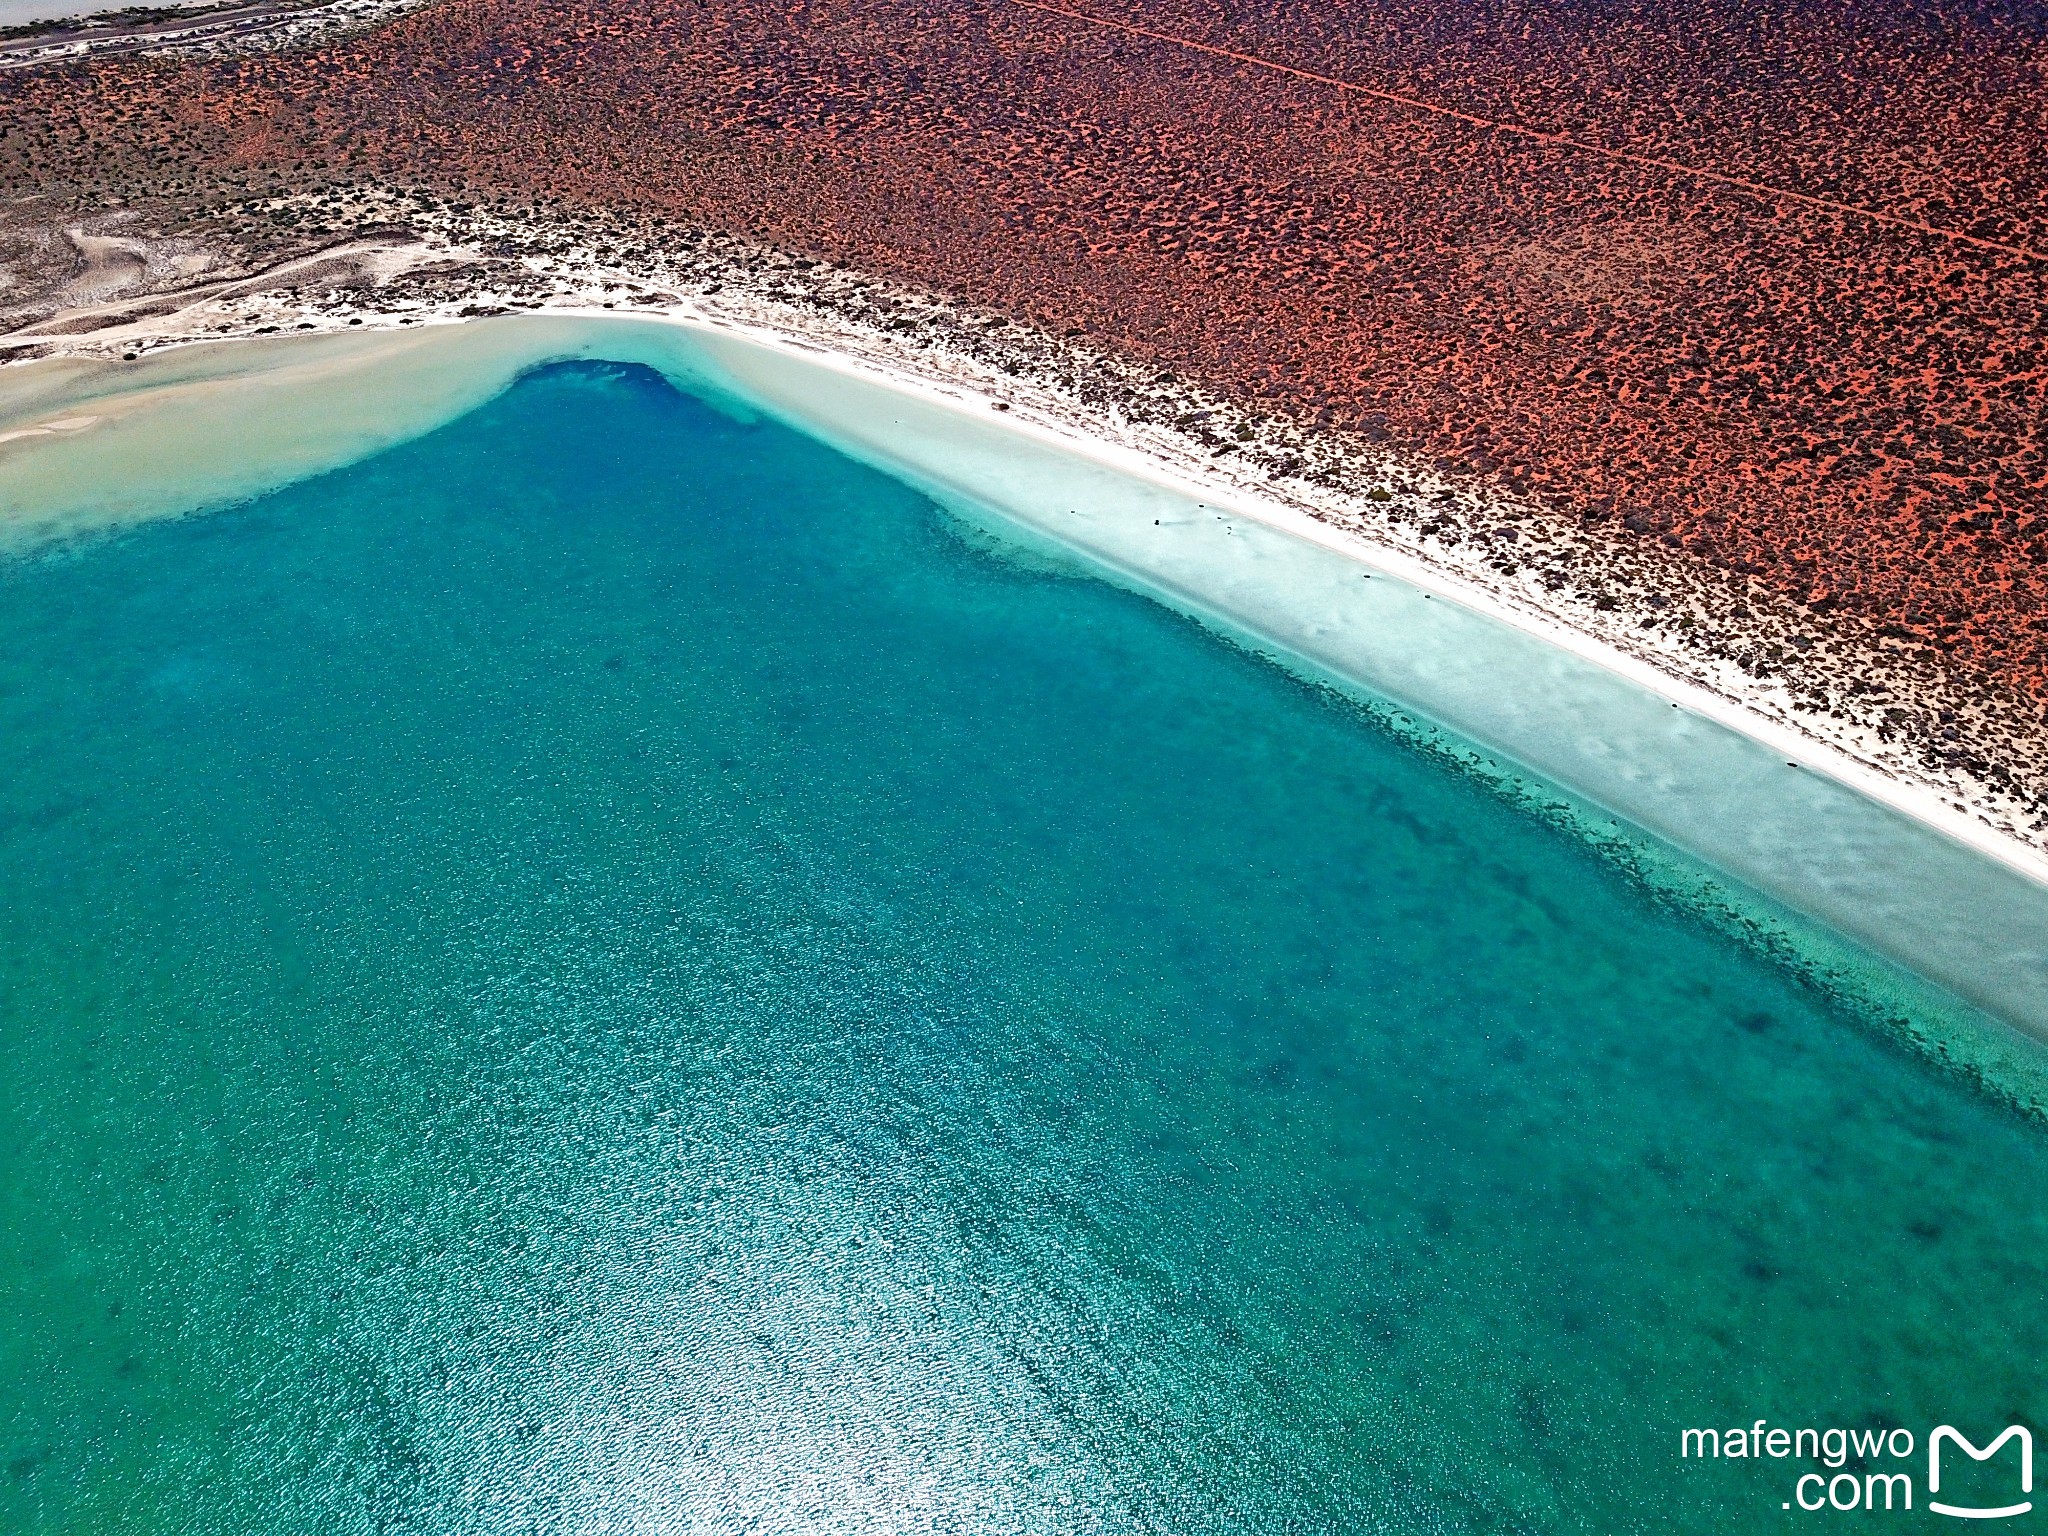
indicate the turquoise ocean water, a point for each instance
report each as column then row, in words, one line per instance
column 610, row 970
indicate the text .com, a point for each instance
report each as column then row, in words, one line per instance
column 1883, row 1477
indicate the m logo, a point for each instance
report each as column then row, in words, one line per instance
column 1967, row 1512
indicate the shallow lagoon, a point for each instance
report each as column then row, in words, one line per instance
column 610, row 969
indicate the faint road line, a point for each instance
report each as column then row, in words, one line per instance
column 1560, row 140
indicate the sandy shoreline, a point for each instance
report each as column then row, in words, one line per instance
column 1187, row 475
column 1832, row 845
column 1493, row 555
column 86, row 29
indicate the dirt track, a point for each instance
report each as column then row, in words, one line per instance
column 1682, row 335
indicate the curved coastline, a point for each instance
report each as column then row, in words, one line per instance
column 1873, row 859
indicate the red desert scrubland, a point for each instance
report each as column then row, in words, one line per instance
column 1810, row 344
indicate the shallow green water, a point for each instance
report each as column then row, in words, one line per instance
column 609, row 970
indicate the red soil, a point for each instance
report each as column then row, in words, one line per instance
column 1853, row 408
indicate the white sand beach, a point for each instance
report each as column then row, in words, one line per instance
column 91, row 444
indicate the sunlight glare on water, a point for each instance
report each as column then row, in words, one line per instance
column 610, row 970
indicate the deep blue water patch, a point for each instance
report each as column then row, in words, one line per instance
column 611, row 969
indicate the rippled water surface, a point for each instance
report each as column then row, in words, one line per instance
column 610, row 970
